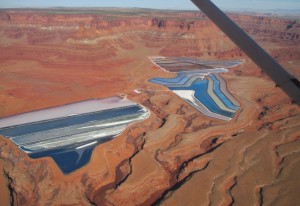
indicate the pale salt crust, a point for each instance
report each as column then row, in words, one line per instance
column 77, row 108
column 189, row 96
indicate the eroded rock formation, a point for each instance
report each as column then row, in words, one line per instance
column 177, row 156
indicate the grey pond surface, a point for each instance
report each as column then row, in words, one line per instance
column 69, row 133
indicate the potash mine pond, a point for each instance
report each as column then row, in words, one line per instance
column 70, row 132
column 198, row 83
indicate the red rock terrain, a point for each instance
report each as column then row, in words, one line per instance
column 177, row 156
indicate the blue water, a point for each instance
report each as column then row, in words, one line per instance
column 68, row 121
column 220, row 94
column 200, row 88
column 165, row 81
column 182, row 77
column 68, row 158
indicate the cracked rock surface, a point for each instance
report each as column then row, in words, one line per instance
column 175, row 157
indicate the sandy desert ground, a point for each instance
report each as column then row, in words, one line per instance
column 177, row 156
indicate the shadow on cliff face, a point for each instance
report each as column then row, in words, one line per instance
column 52, row 60
column 6, row 190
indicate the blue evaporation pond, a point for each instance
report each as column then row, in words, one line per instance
column 200, row 88
column 70, row 157
column 220, row 94
column 181, row 78
column 165, row 81
column 67, row 121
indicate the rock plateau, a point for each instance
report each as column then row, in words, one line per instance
column 175, row 157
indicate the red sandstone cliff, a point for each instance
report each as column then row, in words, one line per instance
column 177, row 155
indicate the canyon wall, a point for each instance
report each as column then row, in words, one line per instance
column 183, row 34
column 178, row 155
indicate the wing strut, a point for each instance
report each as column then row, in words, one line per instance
column 288, row 83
